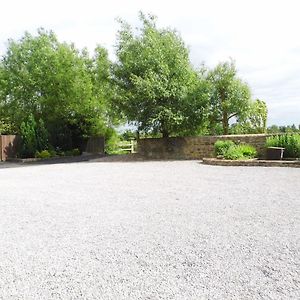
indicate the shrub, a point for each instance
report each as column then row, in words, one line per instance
column 76, row 152
column 68, row 153
column 73, row 152
column 221, row 147
column 229, row 150
column 43, row 154
column 247, row 150
column 234, row 153
column 291, row 143
column 28, row 134
column 41, row 135
column 52, row 153
column 34, row 137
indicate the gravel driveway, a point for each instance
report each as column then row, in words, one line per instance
column 149, row 230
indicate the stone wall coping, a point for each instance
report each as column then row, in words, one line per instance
column 211, row 136
column 252, row 162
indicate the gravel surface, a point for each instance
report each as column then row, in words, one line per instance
column 149, row 230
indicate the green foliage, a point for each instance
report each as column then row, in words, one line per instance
column 41, row 135
column 240, row 152
column 221, row 147
column 248, row 151
column 112, row 140
column 291, row 143
column 34, row 137
column 52, row 153
column 234, row 153
column 229, row 97
column 254, row 120
column 128, row 135
column 76, row 152
column 55, row 82
column 73, row 152
column 229, row 150
column 6, row 127
column 157, row 88
column 29, row 139
column 43, row 154
column 284, row 129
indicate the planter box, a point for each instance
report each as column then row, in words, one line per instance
column 275, row 153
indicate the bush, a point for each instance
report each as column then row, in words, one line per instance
column 43, row 154
column 68, row 153
column 76, row 152
column 28, row 134
column 229, row 150
column 247, row 150
column 52, row 153
column 234, row 153
column 73, row 152
column 112, row 140
column 291, row 143
column 34, row 137
column 221, row 147
column 41, row 136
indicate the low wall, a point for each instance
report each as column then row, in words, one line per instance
column 9, row 146
column 194, row 147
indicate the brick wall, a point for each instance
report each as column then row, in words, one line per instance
column 9, row 145
column 194, row 147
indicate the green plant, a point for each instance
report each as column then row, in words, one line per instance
column 75, row 152
column 157, row 88
column 247, row 150
column 34, row 137
column 68, row 153
column 234, row 153
column 291, row 143
column 28, row 134
column 229, row 150
column 41, row 135
column 242, row 151
column 52, row 153
column 221, row 147
column 43, row 154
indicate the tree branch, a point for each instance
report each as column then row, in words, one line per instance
column 233, row 115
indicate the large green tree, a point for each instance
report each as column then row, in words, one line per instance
column 230, row 96
column 255, row 119
column 157, row 88
column 54, row 82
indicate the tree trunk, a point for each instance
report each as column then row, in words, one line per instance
column 165, row 133
column 225, row 123
column 224, row 113
column 164, row 130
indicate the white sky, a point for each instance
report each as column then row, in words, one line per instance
column 261, row 35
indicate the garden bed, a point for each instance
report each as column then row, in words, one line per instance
column 56, row 159
column 252, row 162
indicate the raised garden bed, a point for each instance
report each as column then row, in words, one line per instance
column 252, row 162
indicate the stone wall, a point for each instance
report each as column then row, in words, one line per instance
column 9, row 146
column 194, row 147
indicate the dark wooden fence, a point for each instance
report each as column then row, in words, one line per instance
column 9, row 146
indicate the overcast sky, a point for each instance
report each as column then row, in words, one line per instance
column 262, row 36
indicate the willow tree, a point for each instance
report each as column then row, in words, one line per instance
column 230, row 97
column 157, row 88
